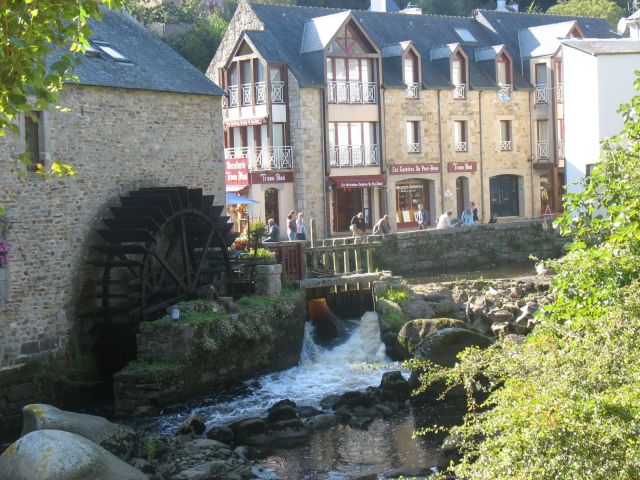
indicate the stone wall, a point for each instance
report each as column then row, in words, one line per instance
column 481, row 245
column 180, row 359
column 118, row 140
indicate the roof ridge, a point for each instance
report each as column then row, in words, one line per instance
column 538, row 14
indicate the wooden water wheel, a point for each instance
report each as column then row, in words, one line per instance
column 162, row 246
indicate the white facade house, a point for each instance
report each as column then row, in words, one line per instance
column 598, row 78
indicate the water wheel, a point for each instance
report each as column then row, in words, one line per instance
column 162, row 246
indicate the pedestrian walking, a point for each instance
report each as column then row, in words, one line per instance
column 292, row 228
column 474, row 210
column 422, row 217
column 301, row 228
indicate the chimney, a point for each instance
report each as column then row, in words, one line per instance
column 383, row 6
column 502, row 6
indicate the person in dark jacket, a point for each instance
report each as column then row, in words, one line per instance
column 358, row 227
column 474, row 210
column 382, row 227
column 273, row 234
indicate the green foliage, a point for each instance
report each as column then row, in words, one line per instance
column 29, row 32
column 199, row 44
column 563, row 405
column 607, row 9
column 399, row 296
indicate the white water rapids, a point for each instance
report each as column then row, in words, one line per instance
column 357, row 363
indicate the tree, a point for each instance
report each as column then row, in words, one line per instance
column 563, row 404
column 589, row 8
column 199, row 43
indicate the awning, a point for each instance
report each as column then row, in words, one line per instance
column 363, row 181
column 235, row 188
column 234, row 199
column 246, row 122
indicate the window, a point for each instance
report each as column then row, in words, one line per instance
column 112, row 52
column 505, row 135
column 541, row 83
column 589, row 168
column 542, row 130
column 413, row 136
column 559, row 81
column 503, row 70
column 348, row 42
column 465, row 35
column 33, row 139
column 458, row 75
column 460, row 136
column 352, row 144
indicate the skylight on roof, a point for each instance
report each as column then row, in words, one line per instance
column 465, row 35
column 112, row 52
column 91, row 51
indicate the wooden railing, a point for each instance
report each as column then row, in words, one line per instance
column 344, row 255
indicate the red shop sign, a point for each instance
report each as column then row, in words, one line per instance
column 271, row 177
column 413, row 168
column 462, row 167
column 236, row 171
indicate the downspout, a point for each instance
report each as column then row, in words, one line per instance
column 441, row 162
column 481, row 162
column 325, row 197
column 532, row 156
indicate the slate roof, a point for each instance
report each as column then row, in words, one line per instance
column 544, row 39
column 605, row 47
column 151, row 65
column 293, row 35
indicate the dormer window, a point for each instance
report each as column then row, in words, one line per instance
column 459, row 75
column 348, row 42
column 503, row 76
column 411, row 74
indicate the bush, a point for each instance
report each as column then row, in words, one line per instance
column 564, row 404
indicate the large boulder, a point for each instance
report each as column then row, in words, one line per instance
column 60, row 455
column 388, row 311
column 414, row 332
column 443, row 347
column 118, row 439
column 417, row 307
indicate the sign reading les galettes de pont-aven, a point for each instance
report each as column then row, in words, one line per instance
column 271, row 177
column 236, row 171
column 462, row 167
column 412, row 168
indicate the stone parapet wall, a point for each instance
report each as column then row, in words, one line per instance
column 433, row 250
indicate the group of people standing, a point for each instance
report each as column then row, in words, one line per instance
column 296, row 228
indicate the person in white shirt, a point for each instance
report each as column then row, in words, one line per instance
column 445, row 220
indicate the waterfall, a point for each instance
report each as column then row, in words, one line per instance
column 355, row 364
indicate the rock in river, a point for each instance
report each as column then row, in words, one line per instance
column 59, row 455
column 414, row 332
column 443, row 346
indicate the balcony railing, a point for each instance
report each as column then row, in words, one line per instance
column 353, row 155
column 459, row 91
column 504, row 93
column 246, row 94
column 233, row 97
column 542, row 94
column 561, row 149
column 352, row 92
column 412, row 90
column 542, row 151
column 277, row 91
column 413, row 147
column 560, row 93
column 505, row 145
column 462, row 146
column 264, row 158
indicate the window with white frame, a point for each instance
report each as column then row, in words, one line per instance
column 411, row 73
column 460, row 136
column 412, row 129
column 506, row 142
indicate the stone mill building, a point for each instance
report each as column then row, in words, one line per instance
column 139, row 116
column 333, row 112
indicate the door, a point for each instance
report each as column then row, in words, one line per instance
column 349, row 202
column 462, row 194
column 505, row 196
column 271, row 206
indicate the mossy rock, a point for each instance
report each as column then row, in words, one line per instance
column 443, row 346
column 413, row 333
column 390, row 316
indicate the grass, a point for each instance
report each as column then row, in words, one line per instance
column 399, row 296
column 255, row 302
column 140, row 366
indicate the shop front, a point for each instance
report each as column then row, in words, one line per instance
column 274, row 192
column 411, row 192
column 236, row 177
column 352, row 195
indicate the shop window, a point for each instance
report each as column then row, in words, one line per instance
column 410, row 194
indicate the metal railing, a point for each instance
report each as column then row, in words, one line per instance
column 560, row 93
column 246, row 94
column 462, row 146
column 277, row 91
column 542, row 94
column 412, row 90
column 542, row 151
column 352, row 92
column 459, row 91
column 264, row 158
column 505, row 145
column 561, row 149
column 504, row 93
column 233, row 96
column 353, row 155
column 413, row 148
